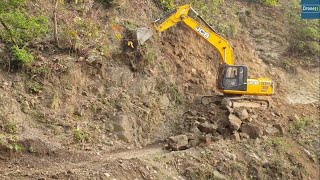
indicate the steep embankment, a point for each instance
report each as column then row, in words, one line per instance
column 88, row 109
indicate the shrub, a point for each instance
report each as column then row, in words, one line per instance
column 266, row 2
column 21, row 55
column 22, row 29
column 304, row 35
column 34, row 88
column 167, row 4
column 19, row 28
column 11, row 5
column 309, row 33
column 11, row 128
column 269, row 2
column 17, row 147
column 80, row 135
column 299, row 124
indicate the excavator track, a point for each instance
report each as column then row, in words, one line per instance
column 234, row 101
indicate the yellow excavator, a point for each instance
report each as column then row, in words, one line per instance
column 232, row 80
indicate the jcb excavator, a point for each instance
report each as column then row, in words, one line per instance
column 232, row 79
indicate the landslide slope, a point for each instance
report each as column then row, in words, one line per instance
column 90, row 109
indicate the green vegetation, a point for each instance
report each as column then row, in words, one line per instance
column 175, row 94
column 35, row 88
column 31, row 150
column 11, row 4
column 17, row 147
column 14, row 146
column 299, row 124
column 172, row 90
column 279, row 144
column 268, row 2
column 21, row 55
column 207, row 9
column 80, row 135
column 304, row 35
column 11, row 128
column 108, row 3
column 150, row 57
column 166, row 4
column 20, row 28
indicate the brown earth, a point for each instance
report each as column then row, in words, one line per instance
column 106, row 114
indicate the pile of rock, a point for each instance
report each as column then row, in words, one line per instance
column 235, row 124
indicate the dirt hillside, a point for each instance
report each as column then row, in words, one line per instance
column 85, row 108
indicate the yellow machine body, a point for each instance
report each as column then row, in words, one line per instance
column 245, row 86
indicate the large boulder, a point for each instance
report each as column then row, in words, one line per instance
column 244, row 136
column 269, row 130
column 207, row 128
column 177, row 143
column 236, row 136
column 194, row 142
column 218, row 175
column 242, row 113
column 122, row 127
column 206, row 138
column 280, row 128
column 253, row 117
column 234, row 122
column 254, row 131
column 164, row 102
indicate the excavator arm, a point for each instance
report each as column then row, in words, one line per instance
column 205, row 31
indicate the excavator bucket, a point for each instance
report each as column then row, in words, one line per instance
column 143, row 34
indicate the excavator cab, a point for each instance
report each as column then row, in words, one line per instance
column 232, row 78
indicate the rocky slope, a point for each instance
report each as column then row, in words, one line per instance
column 90, row 110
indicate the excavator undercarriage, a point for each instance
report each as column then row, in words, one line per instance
column 234, row 101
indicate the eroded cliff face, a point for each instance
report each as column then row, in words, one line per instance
column 90, row 109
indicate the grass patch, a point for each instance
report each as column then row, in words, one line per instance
column 34, row 88
column 299, row 124
column 279, row 144
column 166, row 4
column 80, row 135
column 11, row 128
column 172, row 90
column 304, row 35
column 21, row 55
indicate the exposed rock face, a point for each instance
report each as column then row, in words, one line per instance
column 244, row 136
column 242, row 113
column 254, row 131
column 280, row 128
column 235, row 122
column 123, row 128
column 179, row 142
column 164, row 102
column 269, row 130
column 218, row 175
column 236, row 137
column 207, row 128
column 252, row 118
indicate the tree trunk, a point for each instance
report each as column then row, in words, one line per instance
column 56, row 38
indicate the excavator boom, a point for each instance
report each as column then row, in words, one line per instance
column 205, row 31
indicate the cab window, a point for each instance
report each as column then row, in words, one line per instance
column 241, row 75
column 232, row 72
column 231, row 77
